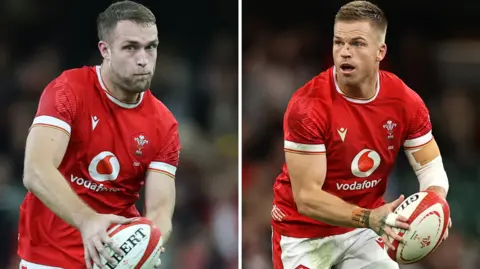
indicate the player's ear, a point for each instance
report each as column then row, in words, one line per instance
column 382, row 51
column 104, row 49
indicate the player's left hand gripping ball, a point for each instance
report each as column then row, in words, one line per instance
column 159, row 262
column 445, row 236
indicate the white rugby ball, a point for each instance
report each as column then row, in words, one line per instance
column 428, row 215
column 140, row 241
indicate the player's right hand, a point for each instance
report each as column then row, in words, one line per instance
column 95, row 238
column 382, row 220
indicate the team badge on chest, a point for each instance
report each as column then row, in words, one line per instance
column 390, row 127
column 140, row 142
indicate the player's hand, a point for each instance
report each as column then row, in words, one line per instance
column 159, row 262
column 95, row 238
column 445, row 236
column 382, row 220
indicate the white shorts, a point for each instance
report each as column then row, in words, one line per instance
column 28, row 265
column 357, row 249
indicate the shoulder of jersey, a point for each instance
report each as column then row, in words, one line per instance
column 396, row 88
column 79, row 79
column 317, row 90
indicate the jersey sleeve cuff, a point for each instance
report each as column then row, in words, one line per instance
column 418, row 141
column 164, row 168
column 52, row 122
column 294, row 147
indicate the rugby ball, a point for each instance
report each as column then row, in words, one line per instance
column 140, row 241
column 428, row 214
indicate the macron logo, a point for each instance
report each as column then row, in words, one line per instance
column 358, row 186
column 342, row 132
column 95, row 121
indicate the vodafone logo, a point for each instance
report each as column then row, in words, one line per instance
column 358, row 186
column 365, row 163
column 104, row 166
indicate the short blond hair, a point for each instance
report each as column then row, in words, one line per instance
column 120, row 11
column 363, row 11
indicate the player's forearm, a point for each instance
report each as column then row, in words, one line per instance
column 438, row 190
column 163, row 221
column 160, row 201
column 50, row 187
column 328, row 208
column 159, row 209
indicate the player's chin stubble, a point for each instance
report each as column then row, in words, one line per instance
column 136, row 85
column 140, row 86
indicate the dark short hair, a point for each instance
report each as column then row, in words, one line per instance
column 363, row 11
column 122, row 11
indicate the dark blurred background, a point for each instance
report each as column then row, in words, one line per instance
column 196, row 78
column 434, row 46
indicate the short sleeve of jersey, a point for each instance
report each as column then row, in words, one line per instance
column 57, row 107
column 304, row 127
column 419, row 131
column 168, row 154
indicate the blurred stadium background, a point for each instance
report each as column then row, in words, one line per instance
column 433, row 46
column 196, row 78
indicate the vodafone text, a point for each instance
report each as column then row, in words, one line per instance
column 358, row 186
column 91, row 185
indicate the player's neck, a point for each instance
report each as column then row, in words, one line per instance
column 365, row 90
column 114, row 90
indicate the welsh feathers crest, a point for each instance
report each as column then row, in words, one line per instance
column 390, row 127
